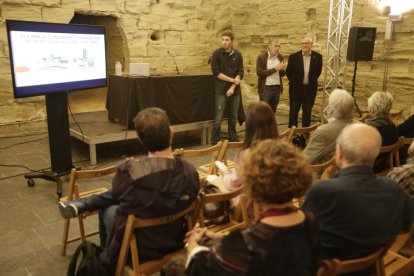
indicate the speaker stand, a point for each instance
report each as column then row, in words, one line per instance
column 59, row 141
column 353, row 89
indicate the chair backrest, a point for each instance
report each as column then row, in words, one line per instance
column 329, row 267
column 223, row 197
column 129, row 242
column 395, row 116
column 405, row 269
column 393, row 157
column 214, row 151
column 286, row 135
column 320, row 168
column 307, row 131
column 75, row 175
column 365, row 263
column 230, row 145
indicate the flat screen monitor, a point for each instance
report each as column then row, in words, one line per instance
column 49, row 57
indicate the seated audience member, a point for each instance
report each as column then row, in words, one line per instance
column 406, row 128
column 260, row 125
column 404, row 175
column 357, row 211
column 321, row 147
column 379, row 107
column 283, row 242
column 153, row 186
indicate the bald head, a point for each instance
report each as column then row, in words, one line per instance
column 359, row 144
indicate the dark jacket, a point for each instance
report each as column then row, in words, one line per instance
column 152, row 187
column 389, row 135
column 295, row 73
column 262, row 71
column 358, row 212
column 230, row 65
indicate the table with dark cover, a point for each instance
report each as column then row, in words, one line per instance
column 186, row 98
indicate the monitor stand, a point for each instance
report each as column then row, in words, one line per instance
column 59, row 141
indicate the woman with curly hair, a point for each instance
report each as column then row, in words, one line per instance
column 283, row 242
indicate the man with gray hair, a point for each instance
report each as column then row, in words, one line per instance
column 358, row 212
column 379, row 107
column 303, row 71
column 321, row 147
column 270, row 68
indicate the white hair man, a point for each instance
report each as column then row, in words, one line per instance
column 358, row 212
column 321, row 147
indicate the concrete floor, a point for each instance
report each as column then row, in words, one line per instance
column 30, row 223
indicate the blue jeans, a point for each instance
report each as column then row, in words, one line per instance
column 106, row 223
column 220, row 103
column 107, row 206
column 271, row 95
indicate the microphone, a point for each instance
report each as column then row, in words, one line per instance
column 176, row 67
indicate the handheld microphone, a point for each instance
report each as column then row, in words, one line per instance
column 176, row 67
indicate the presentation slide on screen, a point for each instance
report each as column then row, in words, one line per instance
column 47, row 58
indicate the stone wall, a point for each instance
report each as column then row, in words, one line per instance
column 190, row 29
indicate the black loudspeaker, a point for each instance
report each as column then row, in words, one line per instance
column 361, row 42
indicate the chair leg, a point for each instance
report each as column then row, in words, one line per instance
column 65, row 235
column 81, row 229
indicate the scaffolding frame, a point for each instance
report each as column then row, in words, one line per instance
column 340, row 18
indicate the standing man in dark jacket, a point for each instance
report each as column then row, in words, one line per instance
column 303, row 72
column 154, row 186
column 270, row 69
column 227, row 68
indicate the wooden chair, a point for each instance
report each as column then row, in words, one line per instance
column 215, row 152
column 329, row 267
column 231, row 145
column 393, row 261
column 223, row 197
column 320, row 168
column 322, row 171
column 365, row 263
column 307, row 131
column 393, row 152
column 73, row 193
column 405, row 268
column 286, row 135
column 396, row 116
column 129, row 243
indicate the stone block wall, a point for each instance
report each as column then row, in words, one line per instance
column 191, row 29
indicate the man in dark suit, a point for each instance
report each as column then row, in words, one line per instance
column 303, row 70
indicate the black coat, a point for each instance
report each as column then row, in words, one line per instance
column 295, row 73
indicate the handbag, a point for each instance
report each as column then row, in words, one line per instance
column 215, row 213
column 90, row 263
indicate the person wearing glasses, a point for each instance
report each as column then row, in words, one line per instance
column 303, row 70
column 270, row 68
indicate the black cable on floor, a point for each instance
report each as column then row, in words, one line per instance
column 21, row 143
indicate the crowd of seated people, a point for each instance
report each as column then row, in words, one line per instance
column 356, row 211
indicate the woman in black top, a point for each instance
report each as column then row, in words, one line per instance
column 283, row 242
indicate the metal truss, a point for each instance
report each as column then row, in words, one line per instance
column 340, row 17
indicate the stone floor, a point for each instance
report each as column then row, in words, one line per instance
column 30, row 223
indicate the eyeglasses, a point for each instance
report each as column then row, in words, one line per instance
column 306, row 43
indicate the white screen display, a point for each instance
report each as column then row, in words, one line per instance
column 47, row 57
